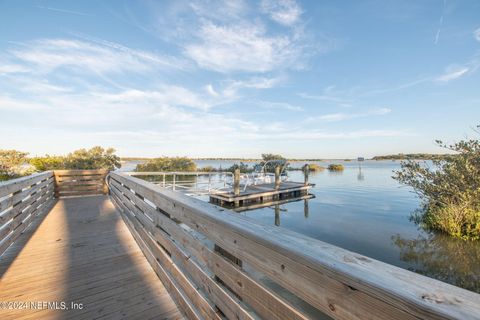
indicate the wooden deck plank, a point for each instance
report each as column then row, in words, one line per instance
column 259, row 192
column 83, row 252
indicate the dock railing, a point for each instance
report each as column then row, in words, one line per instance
column 21, row 200
column 191, row 183
column 216, row 263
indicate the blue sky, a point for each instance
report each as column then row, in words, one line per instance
column 327, row 79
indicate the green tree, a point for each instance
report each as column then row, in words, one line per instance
column 244, row 168
column 167, row 164
column 48, row 163
column 271, row 161
column 450, row 190
column 11, row 162
column 94, row 158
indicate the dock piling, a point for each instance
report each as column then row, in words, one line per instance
column 277, row 177
column 306, row 171
column 236, row 182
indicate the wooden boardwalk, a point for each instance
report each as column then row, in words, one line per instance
column 81, row 252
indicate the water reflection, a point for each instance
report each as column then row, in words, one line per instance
column 277, row 215
column 305, row 208
column 278, row 209
column 443, row 258
column 360, row 175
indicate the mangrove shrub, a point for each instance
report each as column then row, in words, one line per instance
column 167, row 164
column 450, row 190
column 335, row 167
column 83, row 159
column 11, row 164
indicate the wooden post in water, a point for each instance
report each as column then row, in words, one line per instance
column 277, row 215
column 277, row 177
column 306, row 171
column 236, row 182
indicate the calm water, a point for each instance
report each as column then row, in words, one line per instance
column 364, row 210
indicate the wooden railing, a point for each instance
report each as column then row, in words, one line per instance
column 21, row 200
column 80, row 182
column 216, row 263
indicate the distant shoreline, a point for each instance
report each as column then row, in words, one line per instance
column 400, row 156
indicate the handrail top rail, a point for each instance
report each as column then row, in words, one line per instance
column 406, row 290
column 81, row 171
column 153, row 173
column 25, row 178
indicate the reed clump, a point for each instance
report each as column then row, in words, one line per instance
column 336, row 167
column 315, row 167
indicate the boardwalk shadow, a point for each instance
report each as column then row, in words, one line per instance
column 107, row 275
column 82, row 261
column 16, row 248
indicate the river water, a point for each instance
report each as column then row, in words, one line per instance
column 364, row 210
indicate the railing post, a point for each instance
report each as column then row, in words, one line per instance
column 306, row 171
column 277, row 177
column 164, row 180
column 236, row 182
column 173, row 185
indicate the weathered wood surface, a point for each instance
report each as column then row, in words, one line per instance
column 340, row 283
column 21, row 201
column 80, row 182
column 83, row 252
column 262, row 191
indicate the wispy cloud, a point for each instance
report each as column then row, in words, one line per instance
column 78, row 13
column 476, row 34
column 241, row 47
column 323, row 97
column 440, row 23
column 285, row 12
column 279, row 106
column 106, row 57
column 13, row 68
column 341, row 116
column 452, row 73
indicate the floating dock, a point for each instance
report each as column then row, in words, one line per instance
column 261, row 193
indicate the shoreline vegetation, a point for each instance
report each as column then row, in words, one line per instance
column 449, row 190
column 399, row 156
column 412, row 156
column 16, row 164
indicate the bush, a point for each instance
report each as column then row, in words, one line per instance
column 167, row 164
column 450, row 191
column 276, row 160
column 315, row 167
column 11, row 164
column 94, row 158
column 208, row 169
column 335, row 167
column 48, row 162
column 244, row 168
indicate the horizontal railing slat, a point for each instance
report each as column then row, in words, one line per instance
column 343, row 284
column 26, row 198
column 80, row 182
column 12, row 186
column 266, row 303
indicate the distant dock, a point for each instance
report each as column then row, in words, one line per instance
column 261, row 193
